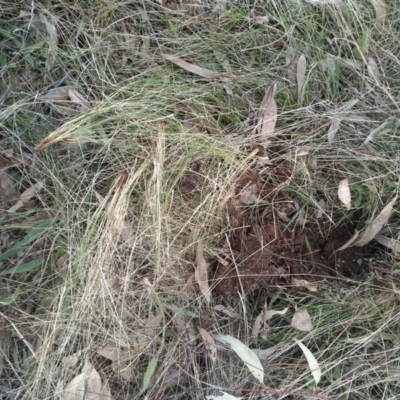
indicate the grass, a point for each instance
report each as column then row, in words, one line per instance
column 134, row 182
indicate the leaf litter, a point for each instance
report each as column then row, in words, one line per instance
column 247, row 355
column 301, row 321
column 371, row 231
column 312, row 362
column 267, row 117
column 201, row 272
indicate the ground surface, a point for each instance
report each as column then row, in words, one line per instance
column 176, row 181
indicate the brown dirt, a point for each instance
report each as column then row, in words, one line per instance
column 265, row 253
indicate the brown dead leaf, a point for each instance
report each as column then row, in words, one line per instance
column 392, row 244
column 201, row 272
column 78, row 99
column 110, row 351
column 72, row 360
column 194, row 69
column 264, row 354
column 249, row 194
column 210, row 344
column 229, row 312
column 333, row 128
column 302, row 321
column 369, row 233
column 7, row 192
column 267, row 116
column 27, row 195
column 344, row 193
column 52, row 41
column 301, row 75
column 380, row 11
column 303, row 283
column 87, row 386
column 123, row 370
column 312, row 164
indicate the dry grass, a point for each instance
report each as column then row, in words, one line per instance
column 135, row 181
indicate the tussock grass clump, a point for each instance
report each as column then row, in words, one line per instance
column 138, row 161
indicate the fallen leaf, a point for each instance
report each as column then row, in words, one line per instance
column 260, row 323
column 392, row 244
column 333, row 128
column 151, row 368
column 72, row 360
column 245, row 354
column 52, row 41
column 265, row 353
column 349, row 242
column 373, row 69
column 267, row 116
column 301, row 75
column 227, row 311
column 263, row 20
column 249, row 194
column 75, row 390
column 312, row 362
column 224, row 396
column 380, row 11
column 27, row 195
column 303, row 283
column 344, row 193
column 124, row 370
column 7, row 192
column 210, row 344
column 380, row 128
column 194, row 69
column 79, row 99
column 110, row 351
column 377, row 224
column 302, row 321
column 312, row 163
column 201, row 272
column 87, row 386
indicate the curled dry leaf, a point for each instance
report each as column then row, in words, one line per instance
column 302, row 321
column 301, row 75
column 370, row 232
column 267, row 116
column 78, row 99
column 229, row 312
column 27, row 195
column 194, row 69
column 72, row 360
column 201, row 272
column 380, row 11
column 110, row 351
column 52, row 41
column 344, row 193
column 392, row 244
column 264, row 354
column 210, row 344
column 312, row 362
column 247, row 355
column 303, row 283
column 260, row 323
column 87, row 386
column 333, row 128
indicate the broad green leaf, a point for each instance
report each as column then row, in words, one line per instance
column 5, row 301
column 29, row 266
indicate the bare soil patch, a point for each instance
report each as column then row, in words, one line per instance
column 267, row 253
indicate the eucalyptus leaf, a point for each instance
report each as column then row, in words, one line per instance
column 6, row 301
